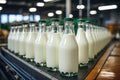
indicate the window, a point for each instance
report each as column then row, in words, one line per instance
column 37, row 17
column 4, row 18
column 12, row 18
column 19, row 17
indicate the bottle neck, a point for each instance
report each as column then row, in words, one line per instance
column 54, row 27
column 60, row 28
column 32, row 28
column 18, row 29
column 42, row 27
column 14, row 29
column 82, row 25
column 87, row 26
column 11, row 29
column 69, row 27
column 24, row 28
column 92, row 28
column 48, row 29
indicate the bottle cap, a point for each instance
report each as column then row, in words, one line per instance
column 54, row 19
column 42, row 21
column 48, row 23
column 68, row 19
column 81, row 20
column 61, row 22
column 88, row 21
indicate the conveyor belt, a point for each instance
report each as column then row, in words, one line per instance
column 42, row 73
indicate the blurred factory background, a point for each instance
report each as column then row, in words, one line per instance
column 106, row 12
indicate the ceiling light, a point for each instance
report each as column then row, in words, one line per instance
column 47, row 0
column 58, row 12
column 51, row 0
column 70, row 16
column 108, row 7
column 3, row 1
column 93, row 12
column 1, row 8
column 33, row 9
column 40, row 4
column 80, row 7
column 50, row 14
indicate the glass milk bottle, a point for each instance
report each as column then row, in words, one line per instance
column 82, row 44
column 52, row 46
column 22, row 39
column 40, row 45
column 16, row 47
column 13, row 39
column 90, row 40
column 9, row 38
column 30, row 42
column 68, row 51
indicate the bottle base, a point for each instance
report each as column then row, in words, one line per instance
column 96, row 56
column 53, row 69
column 30, row 59
column 17, row 54
column 91, row 59
column 68, row 74
column 42, row 64
column 22, row 56
column 11, row 51
column 82, row 65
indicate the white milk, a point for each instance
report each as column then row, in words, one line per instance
column 68, row 54
column 40, row 47
column 22, row 43
column 13, row 39
column 30, row 45
column 90, row 44
column 52, row 50
column 83, row 46
column 16, row 47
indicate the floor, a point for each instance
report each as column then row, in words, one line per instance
column 108, row 67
